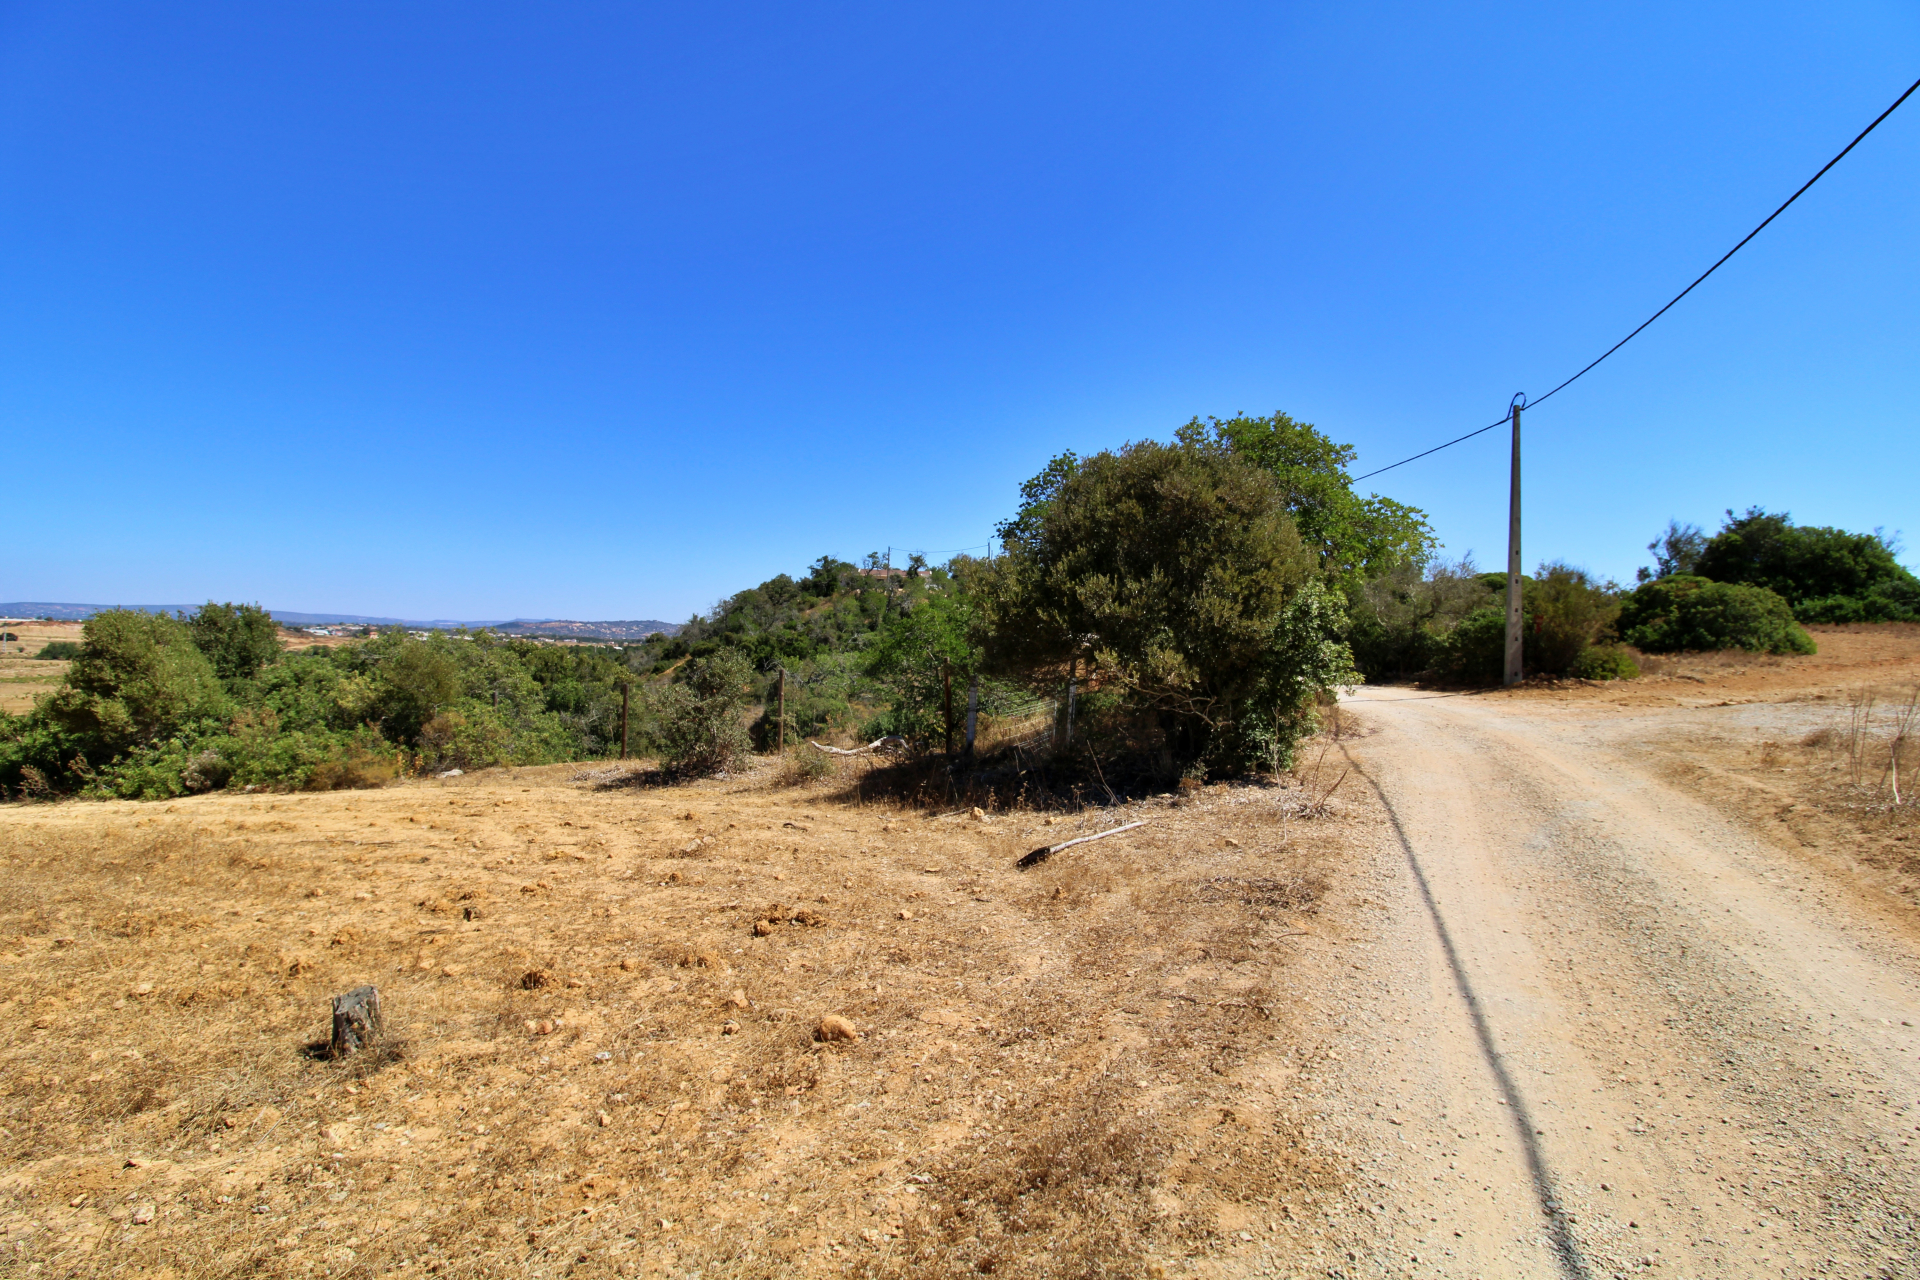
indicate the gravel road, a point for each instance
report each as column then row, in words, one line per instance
column 1603, row 1028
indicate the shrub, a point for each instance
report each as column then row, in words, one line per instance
column 1686, row 611
column 357, row 768
column 1170, row 569
column 1824, row 574
column 702, row 721
column 208, row 770
column 1401, row 619
column 59, row 650
column 804, row 765
column 914, row 658
column 1606, row 662
column 1475, row 652
column 456, row 740
column 1566, row 613
column 414, row 680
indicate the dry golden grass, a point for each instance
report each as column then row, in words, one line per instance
column 24, row 678
column 598, row 1065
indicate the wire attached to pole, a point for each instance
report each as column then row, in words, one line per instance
column 1676, row 297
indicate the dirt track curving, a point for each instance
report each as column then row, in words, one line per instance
column 1605, row 1027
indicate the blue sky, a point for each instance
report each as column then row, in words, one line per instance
column 472, row 310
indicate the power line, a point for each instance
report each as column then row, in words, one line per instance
column 1498, row 422
column 1676, row 297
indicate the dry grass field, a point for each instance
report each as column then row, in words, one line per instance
column 23, row 677
column 607, row 1054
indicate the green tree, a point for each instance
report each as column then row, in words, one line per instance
column 138, row 677
column 1677, row 550
column 1353, row 539
column 1825, row 574
column 1566, row 614
column 414, row 681
column 1169, row 569
column 237, row 639
column 914, row 657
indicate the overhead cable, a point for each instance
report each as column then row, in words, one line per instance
column 1676, row 297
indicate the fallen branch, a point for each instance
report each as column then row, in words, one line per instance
column 857, row 751
column 1044, row 852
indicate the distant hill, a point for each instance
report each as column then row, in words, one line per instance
column 623, row 629
column 76, row 612
column 631, row 629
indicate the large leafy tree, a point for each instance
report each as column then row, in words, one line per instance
column 138, row 676
column 1353, row 539
column 237, row 639
column 1825, row 574
column 1178, row 573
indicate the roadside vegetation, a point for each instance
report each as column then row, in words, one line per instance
column 1750, row 587
column 1159, row 612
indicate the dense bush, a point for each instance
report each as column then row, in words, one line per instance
column 137, row 676
column 916, row 660
column 822, row 693
column 141, row 712
column 703, row 719
column 1475, row 651
column 59, row 650
column 1687, row 611
column 1606, row 662
column 1401, row 619
column 1566, row 613
column 1824, row 574
column 237, row 639
column 1453, row 623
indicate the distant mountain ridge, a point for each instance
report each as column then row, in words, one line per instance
column 620, row 629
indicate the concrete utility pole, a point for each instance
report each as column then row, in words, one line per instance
column 1514, row 638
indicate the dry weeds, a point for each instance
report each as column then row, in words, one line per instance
column 604, row 1001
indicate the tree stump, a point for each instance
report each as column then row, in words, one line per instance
column 356, row 1021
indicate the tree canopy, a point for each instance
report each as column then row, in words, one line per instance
column 1169, row 569
column 1353, row 539
column 1824, row 574
column 137, row 675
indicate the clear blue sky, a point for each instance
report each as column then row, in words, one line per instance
column 471, row 310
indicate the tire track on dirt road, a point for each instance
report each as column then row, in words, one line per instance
column 1626, row 1034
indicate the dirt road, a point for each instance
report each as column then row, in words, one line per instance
column 1603, row 1028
